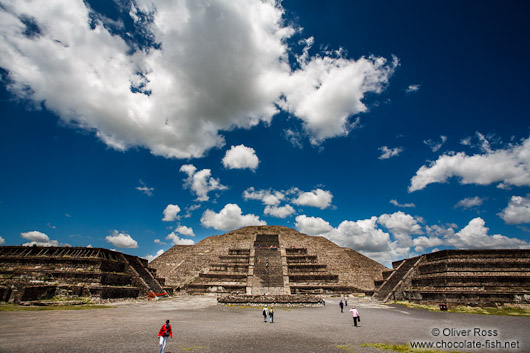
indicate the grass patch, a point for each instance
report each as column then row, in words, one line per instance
column 402, row 348
column 346, row 348
column 16, row 307
column 504, row 310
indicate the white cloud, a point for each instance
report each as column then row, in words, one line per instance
column 2, row 241
column 312, row 225
column 229, row 218
column 39, row 239
column 434, row 145
column 327, row 90
column 509, row 166
column 362, row 235
column 158, row 241
column 267, row 197
column 399, row 222
column 316, row 198
column 412, row 89
column 470, row 202
column 517, row 211
column 219, row 66
column 397, row 204
column 279, row 211
column 241, row 157
column 170, row 213
column 177, row 240
column 145, row 189
column 387, row 153
column 188, row 231
column 475, row 236
column 152, row 257
column 201, row 182
column 121, row 240
column 402, row 226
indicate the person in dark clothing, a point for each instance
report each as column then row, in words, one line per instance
column 341, row 304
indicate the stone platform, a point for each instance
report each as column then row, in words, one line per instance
column 35, row 273
column 469, row 277
column 270, row 260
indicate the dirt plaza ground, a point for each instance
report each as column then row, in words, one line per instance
column 200, row 325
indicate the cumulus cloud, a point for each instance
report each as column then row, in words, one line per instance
column 200, row 182
column 475, row 236
column 241, row 157
column 517, row 211
column 387, row 153
column 312, row 225
column 2, row 241
column 173, row 236
column 229, row 218
column 508, row 166
column 470, row 202
column 362, row 235
column 171, row 213
column 279, row 211
column 121, row 240
column 145, row 189
column 158, row 241
column 397, row 204
column 207, row 67
column 405, row 237
column 435, row 145
column 316, row 198
column 39, row 239
column 152, row 257
column 188, row 231
column 267, row 197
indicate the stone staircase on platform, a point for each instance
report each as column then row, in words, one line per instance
column 471, row 277
column 308, row 276
column 35, row 272
column 227, row 275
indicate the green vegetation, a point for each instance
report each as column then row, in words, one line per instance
column 345, row 347
column 402, row 348
column 504, row 310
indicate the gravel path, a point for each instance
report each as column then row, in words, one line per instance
column 199, row 325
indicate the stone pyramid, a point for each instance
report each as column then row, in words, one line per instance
column 267, row 259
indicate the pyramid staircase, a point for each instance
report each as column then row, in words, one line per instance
column 471, row 277
column 32, row 273
column 308, row 276
column 267, row 269
column 227, row 275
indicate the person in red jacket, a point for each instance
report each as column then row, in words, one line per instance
column 164, row 333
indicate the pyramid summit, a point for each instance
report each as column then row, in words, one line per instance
column 257, row 260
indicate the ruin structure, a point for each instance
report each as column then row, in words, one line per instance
column 35, row 273
column 272, row 260
column 468, row 277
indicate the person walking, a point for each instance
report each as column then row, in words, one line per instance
column 341, row 304
column 164, row 333
column 346, row 301
column 356, row 316
column 271, row 314
column 265, row 313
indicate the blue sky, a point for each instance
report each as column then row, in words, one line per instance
column 392, row 127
